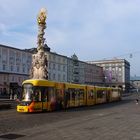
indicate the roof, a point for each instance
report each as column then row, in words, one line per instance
column 4, row 46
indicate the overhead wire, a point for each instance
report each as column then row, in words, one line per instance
column 131, row 54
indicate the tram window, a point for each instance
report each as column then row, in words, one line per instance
column 101, row 93
column 90, row 94
column 44, row 94
column 59, row 94
column 51, row 94
column 37, row 95
column 27, row 92
column 104, row 93
column 67, row 95
column 81, row 94
column 78, row 94
column 71, row 93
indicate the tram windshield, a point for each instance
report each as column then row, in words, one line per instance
column 27, row 92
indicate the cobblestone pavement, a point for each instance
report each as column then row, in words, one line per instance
column 114, row 121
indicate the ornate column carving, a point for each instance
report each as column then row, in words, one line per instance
column 39, row 60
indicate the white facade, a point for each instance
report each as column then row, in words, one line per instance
column 57, row 67
column 14, row 67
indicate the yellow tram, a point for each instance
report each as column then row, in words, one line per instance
column 43, row 95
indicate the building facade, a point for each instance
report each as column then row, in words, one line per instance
column 57, row 67
column 75, row 70
column 15, row 65
column 14, row 68
column 70, row 69
column 57, row 64
column 116, row 72
column 94, row 74
column 84, row 73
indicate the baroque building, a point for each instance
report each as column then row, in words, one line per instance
column 56, row 64
column 70, row 69
column 57, row 67
column 14, row 68
column 15, row 65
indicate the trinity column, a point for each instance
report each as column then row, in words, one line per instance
column 39, row 60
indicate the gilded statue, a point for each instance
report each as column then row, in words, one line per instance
column 41, row 19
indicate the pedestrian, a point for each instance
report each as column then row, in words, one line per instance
column 137, row 101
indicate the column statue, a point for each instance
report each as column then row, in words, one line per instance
column 39, row 60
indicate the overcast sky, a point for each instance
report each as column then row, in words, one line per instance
column 92, row 29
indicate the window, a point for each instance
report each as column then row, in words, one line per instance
column 51, row 94
column 120, row 69
column 4, row 67
column 63, row 68
column 4, row 78
column 23, row 70
column 59, row 67
column 59, row 77
column 53, row 57
column 17, row 68
column 50, row 57
column 53, row 76
column 81, row 94
column 50, row 65
column 37, row 95
column 53, row 66
column 101, row 93
column 13, row 78
column 63, row 77
column 11, row 68
column 19, row 79
column 91, row 94
column 49, row 75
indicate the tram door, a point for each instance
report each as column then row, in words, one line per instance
column 77, row 102
column 48, row 98
column 59, row 95
column 91, row 98
column 72, row 97
column 66, row 98
column 79, row 97
column 76, row 97
column 37, row 99
column 45, row 98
